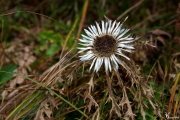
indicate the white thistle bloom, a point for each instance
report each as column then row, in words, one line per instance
column 105, row 43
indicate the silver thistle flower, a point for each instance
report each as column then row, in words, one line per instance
column 105, row 43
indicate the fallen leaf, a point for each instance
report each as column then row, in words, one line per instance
column 158, row 32
column 48, row 112
column 161, row 40
column 12, row 94
column 4, row 94
column 161, row 72
column 45, row 110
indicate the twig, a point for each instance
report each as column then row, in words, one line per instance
column 128, row 10
column 28, row 12
column 67, row 38
column 82, row 20
column 145, row 20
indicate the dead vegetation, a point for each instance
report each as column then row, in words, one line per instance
column 42, row 78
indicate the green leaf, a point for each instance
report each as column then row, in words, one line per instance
column 4, row 73
column 53, row 48
column 49, row 35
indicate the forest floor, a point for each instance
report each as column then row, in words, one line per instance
column 43, row 78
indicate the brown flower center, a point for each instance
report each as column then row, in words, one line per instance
column 104, row 46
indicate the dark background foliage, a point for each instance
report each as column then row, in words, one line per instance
column 34, row 33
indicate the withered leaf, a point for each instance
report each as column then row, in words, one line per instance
column 158, row 32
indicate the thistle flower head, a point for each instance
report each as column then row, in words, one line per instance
column 105, row 44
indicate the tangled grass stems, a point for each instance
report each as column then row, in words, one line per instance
column 50, row 90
